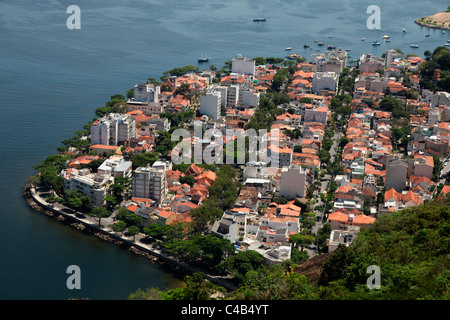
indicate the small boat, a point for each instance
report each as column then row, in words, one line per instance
column 330, row 36
column 348, row 50
column 320, row 44
column 414, row 45
column 375, row 43
column 293, row 56
column 315, row 40
column 443, row 31
column 385, row 36
column 305, row 45
column 404, row 29
column 427, row 35
column 363, row 39
column 331, row 47
column 259, row 18
column 203, row 59
column 388, row 40
column 447, row 44
column 288, row 49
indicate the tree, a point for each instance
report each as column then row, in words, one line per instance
column 188, row 179
column 301, row 240
column 99, row 213
column 243, row 262
column 133, row 230
column 119, row 226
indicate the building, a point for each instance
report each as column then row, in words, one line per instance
column 148, row 108
column 324, row 81
column 149, row 183
column 147, row 92
column 248, row 98
column 113, row 129
column 396, row 174
column 390, row 56
column 293, row 182
column 241, row 64
column 92, row 185
column 316, row 114
column 112, row 168
column 210, row 104
column 369, row 63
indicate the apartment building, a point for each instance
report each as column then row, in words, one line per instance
column 113, row 129
column 150, row 183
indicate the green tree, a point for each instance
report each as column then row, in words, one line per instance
column 133, row 230
column 99, row 213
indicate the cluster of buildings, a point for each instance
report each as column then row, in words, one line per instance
column 376, row 179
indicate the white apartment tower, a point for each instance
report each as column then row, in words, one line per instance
column 113, row 129
column 210, row 104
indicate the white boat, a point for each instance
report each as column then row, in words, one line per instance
column 404, row 29
column 375, row 43
column 288, row 49
column 414, row 45
column 447, row 44
column 385, row 36
column 362, row 39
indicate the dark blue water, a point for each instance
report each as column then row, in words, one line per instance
column 52, row 79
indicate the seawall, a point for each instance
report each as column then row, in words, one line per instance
column 93, row 229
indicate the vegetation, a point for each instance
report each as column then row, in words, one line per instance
column 439, row 59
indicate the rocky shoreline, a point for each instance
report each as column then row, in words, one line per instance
column 175, row 266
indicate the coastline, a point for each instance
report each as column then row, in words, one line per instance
column 178, row 267
column 437, row 22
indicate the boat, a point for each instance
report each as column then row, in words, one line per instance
column 203, row 59
column 375, row 43
column 385, row 36
column 320, row 44
column 331, row 47
column 315, row 40
column 293, row 56
column 305, row 45
column 427, row 35
column 447, row 44
column 259, row 18
column 330, row 36
column 404, row 29
column 288, row 49
column 414, row 45
column 388, row 40
column 348, row 50
column 363, row 39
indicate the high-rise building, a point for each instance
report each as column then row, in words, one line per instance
column 113, row 129
column 293, row 182
column 396, row 173
column 241, row 64
column 210, row 104
column 147, row 92
column 149, row 183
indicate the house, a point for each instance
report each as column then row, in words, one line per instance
column 343, row 219
column 394, row 200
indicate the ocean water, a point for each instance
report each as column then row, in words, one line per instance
column 52, row 79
